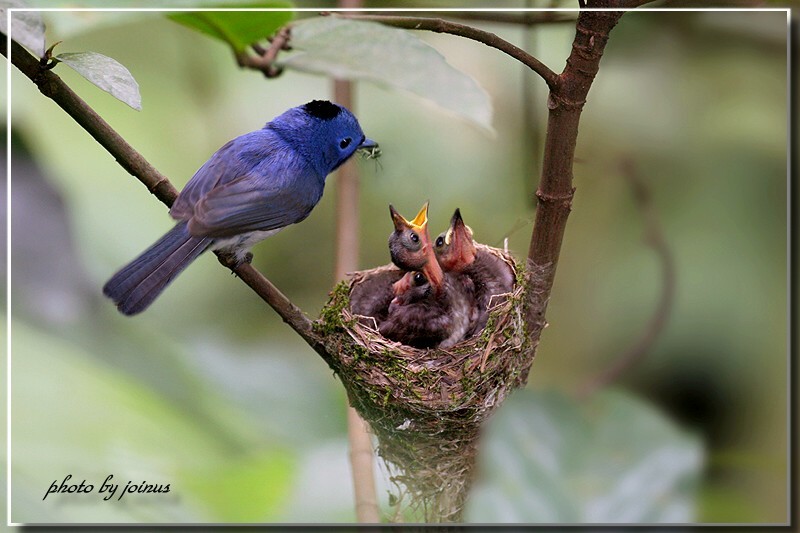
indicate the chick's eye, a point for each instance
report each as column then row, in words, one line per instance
column 439, row 241
column 344, row 143
column 414, row 238
column 419, row 278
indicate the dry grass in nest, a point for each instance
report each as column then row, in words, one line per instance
column 426, row 406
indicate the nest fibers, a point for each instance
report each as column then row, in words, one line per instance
column 426, row 406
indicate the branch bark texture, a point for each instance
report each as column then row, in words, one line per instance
column 555, row 191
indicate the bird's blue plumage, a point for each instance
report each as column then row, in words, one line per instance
column 250, row 188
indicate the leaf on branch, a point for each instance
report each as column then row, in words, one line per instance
column 350, row 49
column 26, row 28
column 612, row 458
column 239, row 29
column 106, row 73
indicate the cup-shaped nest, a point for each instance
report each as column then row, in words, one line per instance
column 426, row 406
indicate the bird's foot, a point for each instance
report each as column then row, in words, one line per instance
column 234, row 260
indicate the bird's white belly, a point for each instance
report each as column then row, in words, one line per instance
column 239, row 245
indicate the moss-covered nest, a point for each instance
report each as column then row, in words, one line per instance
column 426, row 406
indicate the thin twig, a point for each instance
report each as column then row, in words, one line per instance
column 453, row 28
column 265, row 60
column 617, row 4
column 524, row 18
column 654, row 237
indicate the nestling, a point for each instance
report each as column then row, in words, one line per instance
column 430, row 308
column 457, row 252
column 408, row 241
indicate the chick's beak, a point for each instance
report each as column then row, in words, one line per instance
column 419, row 223
column 400, row 223
column 421, row 220
column 402, row 285
column 459, row 237
column 431, row 269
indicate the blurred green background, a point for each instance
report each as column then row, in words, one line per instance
column 209, row 391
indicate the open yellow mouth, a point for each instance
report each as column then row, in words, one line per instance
column 421, row 220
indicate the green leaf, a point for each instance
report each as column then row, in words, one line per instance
column 610, row 459
column 239, row 29
column 106, row 73
column 27, row 27
column 350, row 49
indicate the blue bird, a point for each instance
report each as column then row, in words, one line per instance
column 251, row 188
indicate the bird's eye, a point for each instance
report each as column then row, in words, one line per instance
column 414, row 237
column 439, row 241
column 344, row 143
column 419, row 278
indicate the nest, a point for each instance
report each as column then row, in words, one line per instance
column 426, row 406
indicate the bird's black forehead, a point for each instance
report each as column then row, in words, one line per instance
column 322, row 109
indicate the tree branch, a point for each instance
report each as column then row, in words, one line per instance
column 654, row 236
column 468, row 32
column 54, row 88
column 524, row 18
column 555, row 191
column 265, row 58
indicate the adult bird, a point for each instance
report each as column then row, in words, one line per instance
column 251, row 188
column 457, row 252
column 430, row 308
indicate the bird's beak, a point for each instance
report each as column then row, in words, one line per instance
column 419, row 223
column 457, row 225
column 433, row 272
column 399, row 221
column 369, row 149
column 459, row 237
column 368, row 144
column 432, row 269
column 402, row 285
column 421, row 220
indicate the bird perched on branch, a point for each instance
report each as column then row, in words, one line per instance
column 251, row 188
column 430, row 308
column 457, row 252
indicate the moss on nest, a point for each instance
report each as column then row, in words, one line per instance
column 426, row 406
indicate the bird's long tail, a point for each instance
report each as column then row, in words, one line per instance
column 135, row 287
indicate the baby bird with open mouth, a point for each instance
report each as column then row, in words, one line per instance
column 430, row 308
